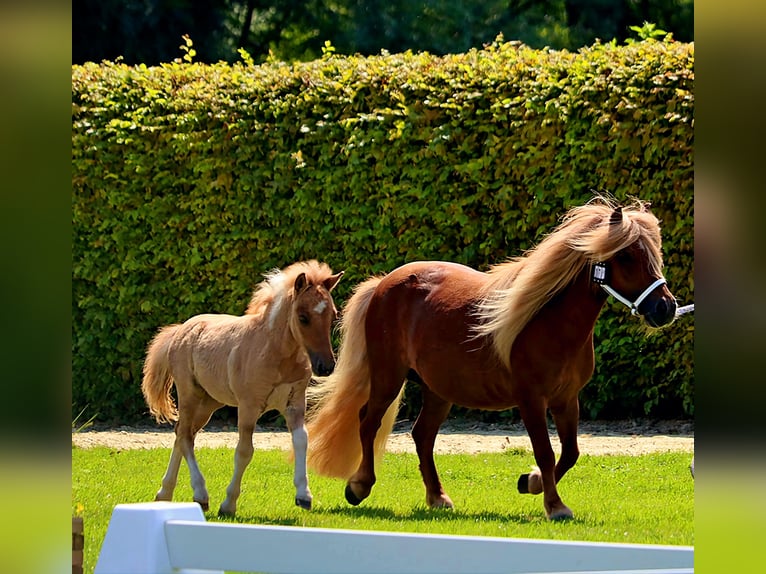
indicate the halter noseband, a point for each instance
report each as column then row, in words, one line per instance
column 599, row 277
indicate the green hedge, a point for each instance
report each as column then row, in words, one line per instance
column 190, row 181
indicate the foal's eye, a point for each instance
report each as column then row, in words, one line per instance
column 303, row 319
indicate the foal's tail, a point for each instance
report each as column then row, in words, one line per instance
column 335, row 448
column 157, row 378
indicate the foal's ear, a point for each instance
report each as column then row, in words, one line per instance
column 300, row 283
column 616, row 217
column 332, row 281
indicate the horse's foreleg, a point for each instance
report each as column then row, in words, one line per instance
column 295, row 418
column 566, row 418
column 432, row 415
column 243, row 454
column 542, row 479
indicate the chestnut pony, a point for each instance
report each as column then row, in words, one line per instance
column 520, row 335
column 257, row 362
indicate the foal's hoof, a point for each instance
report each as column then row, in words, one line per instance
column 204, row 504
column 352, row 498
column 304, row 503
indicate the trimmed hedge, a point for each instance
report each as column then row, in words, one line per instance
column 190, row 181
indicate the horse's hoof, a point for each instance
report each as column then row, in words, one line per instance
column 561, row 514
column 523, row 484
column 352, row 498
column 304, row 503
column 443, row 501
column 204, row 504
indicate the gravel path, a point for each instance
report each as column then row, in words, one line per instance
column 596, row 438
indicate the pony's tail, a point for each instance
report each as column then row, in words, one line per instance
column 335, row 448
column 157, row 378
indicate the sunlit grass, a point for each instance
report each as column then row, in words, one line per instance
column 636, row 499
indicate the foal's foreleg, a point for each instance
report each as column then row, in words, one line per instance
column 243, row 454
column 534, row 419
column 295, row 418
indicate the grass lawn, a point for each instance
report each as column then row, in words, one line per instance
column 635, row 499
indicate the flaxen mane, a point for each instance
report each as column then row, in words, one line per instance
column 519, row 288
column 279, row 283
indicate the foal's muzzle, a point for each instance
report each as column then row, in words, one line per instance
column 322, row 366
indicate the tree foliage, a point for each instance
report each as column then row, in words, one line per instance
column 147, row 31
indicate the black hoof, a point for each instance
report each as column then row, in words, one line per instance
column 304, row 503
column 352, row 498
column 523, row 484
column 222, row 513
column 205, row 505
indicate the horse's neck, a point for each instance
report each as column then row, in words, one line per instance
column 578, row 306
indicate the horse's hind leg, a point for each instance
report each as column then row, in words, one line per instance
column 384, row 389
column 247, row 416
column 295, row 413
column 432, row 415
column 533, row 413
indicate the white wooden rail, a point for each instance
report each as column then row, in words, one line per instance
column 165, row 538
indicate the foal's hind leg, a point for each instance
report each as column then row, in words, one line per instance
column 432, row 415
column 533, row 415
column 193, row 413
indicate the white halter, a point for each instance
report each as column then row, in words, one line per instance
column 599, row 277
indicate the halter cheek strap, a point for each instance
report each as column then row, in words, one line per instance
column 599, row 277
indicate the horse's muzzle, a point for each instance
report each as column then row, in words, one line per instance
column 660, row 311
column 322, row 366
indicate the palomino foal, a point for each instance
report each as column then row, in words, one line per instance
column 257, row 362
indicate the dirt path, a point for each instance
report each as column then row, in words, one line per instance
column 596, row 438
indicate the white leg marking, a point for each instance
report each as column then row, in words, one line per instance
column 300, row 478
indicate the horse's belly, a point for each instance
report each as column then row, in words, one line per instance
column 474, row 387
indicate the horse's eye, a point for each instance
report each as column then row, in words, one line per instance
column 303, row 319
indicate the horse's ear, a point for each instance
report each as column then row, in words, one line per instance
column 332, row 281
column 300, row 283
column 616, row 217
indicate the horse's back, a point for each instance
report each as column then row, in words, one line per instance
column 422, row 317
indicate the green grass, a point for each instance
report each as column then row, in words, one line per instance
column 636, row 499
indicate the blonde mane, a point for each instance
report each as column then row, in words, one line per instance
column 519, row 288
column 278, row 284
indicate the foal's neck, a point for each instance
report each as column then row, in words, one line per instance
column 277, row 329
